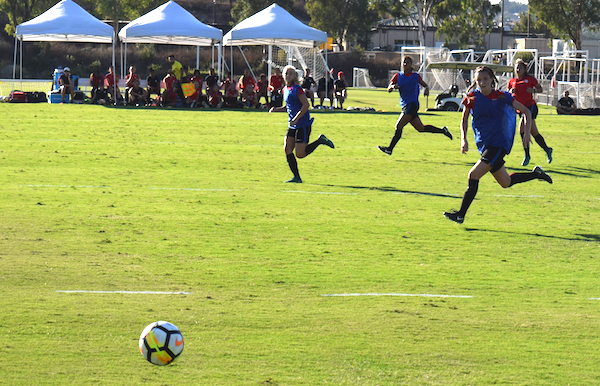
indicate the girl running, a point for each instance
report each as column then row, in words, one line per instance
column 299, row 123
column 493, row 120
column 407, row 83
column 522, row 87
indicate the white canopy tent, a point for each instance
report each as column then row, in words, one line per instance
column 273, row 26
column 171, row 24
column 64, row 22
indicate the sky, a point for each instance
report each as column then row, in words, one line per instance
column 516, row 1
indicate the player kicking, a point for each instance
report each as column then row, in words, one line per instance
column 493, row 120
column 299, row 124
column 407, row 83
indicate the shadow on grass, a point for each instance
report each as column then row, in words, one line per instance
column 581, row 237
column 392, row 189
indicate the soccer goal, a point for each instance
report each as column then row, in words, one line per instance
column 361, row 78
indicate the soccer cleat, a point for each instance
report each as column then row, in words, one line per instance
column 447, row 132
column 295, row 180
column 526, row 160
column 541, row 174
column 385, row 150
column 454, row 216
column 326, row 141
column 549, row 155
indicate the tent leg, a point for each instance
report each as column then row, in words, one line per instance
column 198, row 57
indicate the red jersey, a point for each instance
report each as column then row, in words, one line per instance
column 130, row 79
column 96, row 81
column 109, row 79
column 521, row 86
column 276, row 82
column 169, row 82
column 247, row 81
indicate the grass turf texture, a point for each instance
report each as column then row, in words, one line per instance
column 97, row 198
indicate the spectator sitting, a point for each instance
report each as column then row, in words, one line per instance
column 212, row 82
column 198, row 97
column 96, row 80
column 215, row 99
column 307, row 84
column 566, row 104
column 153, row 84
column 276, row 84
column 130, row 79
column 246, row 81
column 100, row 95
column 66, row 84
column 263, row 86
column 109, row 82
column 325, row 88
column 169, row 96
column 339, row 88
column 137, row 95
column 231, row 93
column 249, row 97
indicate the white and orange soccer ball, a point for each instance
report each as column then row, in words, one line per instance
column 161, row 343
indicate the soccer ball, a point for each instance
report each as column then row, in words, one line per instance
column 161, row 343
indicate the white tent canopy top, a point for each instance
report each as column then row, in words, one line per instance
column 274, row 26
column 65, row 22
column 170, row 24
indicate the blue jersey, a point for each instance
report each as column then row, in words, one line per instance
column 408, row 86
column 493, row 119
column 293, row 105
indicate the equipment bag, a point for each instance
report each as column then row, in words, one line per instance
column 17, row 97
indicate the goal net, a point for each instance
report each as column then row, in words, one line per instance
column 361, row 78
column 301, row 58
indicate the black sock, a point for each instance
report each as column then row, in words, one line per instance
column 517, row 178
column 312, row 146
column 395, row 139
column 291, row 159
column 526, row 148
column 540, row 141
column 469, row 196
column 433, row 129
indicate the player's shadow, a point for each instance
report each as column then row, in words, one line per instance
column 392, row 190
column 593, row 238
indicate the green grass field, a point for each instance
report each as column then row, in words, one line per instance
column 115, row 199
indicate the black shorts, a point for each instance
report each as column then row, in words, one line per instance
column 534, row 111
column 494, row 156
column 411, row 109
column 302, row 134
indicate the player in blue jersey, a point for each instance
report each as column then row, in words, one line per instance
column 407, row 83
column 299, row 123
column 494, row 122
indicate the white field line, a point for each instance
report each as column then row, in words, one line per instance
column 123, row 292
column 66, row 186
column 398, row 294
column 197, row 189
column 302, row 191
column 517, row 196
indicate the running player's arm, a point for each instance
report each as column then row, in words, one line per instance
column 277, row 109
column 422, row 83
column 464, row 125
column 527, row 120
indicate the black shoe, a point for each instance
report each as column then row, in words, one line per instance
column 541, row 174
column 454, row 216
column 447, row 132
column 385, row 150
column 326, row 141
column 295, row 180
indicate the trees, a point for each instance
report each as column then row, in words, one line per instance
column 246, row 8
column 466, row 21
column 567, row 18
column 343, row 20
column 19, row 11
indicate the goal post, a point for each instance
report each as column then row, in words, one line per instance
column 361, row 78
